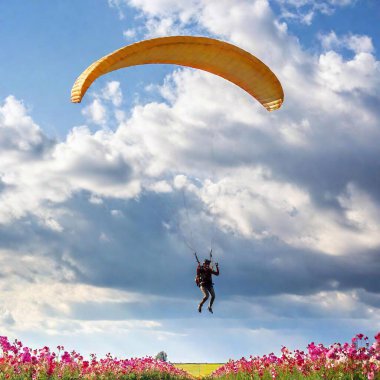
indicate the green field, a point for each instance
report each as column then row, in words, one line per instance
column 199, row 369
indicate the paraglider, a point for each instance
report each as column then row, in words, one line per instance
column 220, row 58
column 203, row 280
column 217, row 57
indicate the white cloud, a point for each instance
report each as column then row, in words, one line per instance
column 118, row 5
column 305, row 10
column 297, row 133
column 117, row 213
column 360, row 73
column 360, row 44
column 98, row 162
column 17, row 129
column 95, row 112
column 329, row 303
column 30, row 288
column 162, row 8
column 112, row 92
column 160, row 187
column 363, row 214
column 129, row 34
column 356, row 43
column 37, row 173
column 251, row 203
column 48, row 219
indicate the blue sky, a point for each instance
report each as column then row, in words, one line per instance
column 98, row 199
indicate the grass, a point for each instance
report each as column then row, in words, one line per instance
column 199, row 369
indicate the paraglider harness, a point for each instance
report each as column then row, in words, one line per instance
column 200, row 276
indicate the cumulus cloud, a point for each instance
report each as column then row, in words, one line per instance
column 56, row 170
column 304, row 11
column 95, row 112
column 112, row 92
column 252, row 203
column 54, row 301
column 356, row 43
column 360, row 73
column 66, row 315
column 256, row 184
column 174, row 16
column 18, row 131
column 129, row 34
column 193, row 134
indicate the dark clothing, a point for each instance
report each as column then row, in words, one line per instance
column 204, row 281
column 207, row 290
column 205, row 273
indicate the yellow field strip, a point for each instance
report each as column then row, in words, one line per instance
column 198, row 369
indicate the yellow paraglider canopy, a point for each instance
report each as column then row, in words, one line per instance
column 217, row 57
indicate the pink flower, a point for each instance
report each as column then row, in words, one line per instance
column 376, row 346
column 26, row 357
column 66, row 358
column 371, row 375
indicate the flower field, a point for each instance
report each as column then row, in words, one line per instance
column 22, row 363
column 349, row 361
column 357, row 360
